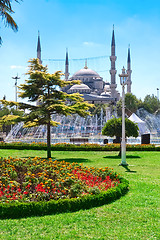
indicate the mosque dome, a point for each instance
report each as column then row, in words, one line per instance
column 86, row 72
column 81, row 88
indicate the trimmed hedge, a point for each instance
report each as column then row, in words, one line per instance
column 19, row 210
column 74, row 147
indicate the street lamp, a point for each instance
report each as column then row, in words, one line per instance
column 16, row 78
column 158, row 94
column 123, row 82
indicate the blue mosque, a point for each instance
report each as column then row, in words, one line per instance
column 93, row 88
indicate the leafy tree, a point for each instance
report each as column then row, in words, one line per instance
column 43, row 88
column 151, row 103
column 113, row 127
column 131, row 104
column 5, row 12
column 5, row 111
column 97, row 108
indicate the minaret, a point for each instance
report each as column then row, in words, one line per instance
column 85, row 67
column 66, row 66
column 39, row 49
column 129, row 71
column 113, row 71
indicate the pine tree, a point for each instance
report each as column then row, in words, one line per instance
column 45, row 97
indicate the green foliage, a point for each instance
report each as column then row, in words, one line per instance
column 9, row 116
column 5, row 11
column 151, row 103
column 98, row 108
column 131, row 104
column 82, row 147
column 4, row 111
column 45, row 98
column 113, row 127
column 137, row 210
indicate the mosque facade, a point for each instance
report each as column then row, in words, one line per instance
column 93, row 88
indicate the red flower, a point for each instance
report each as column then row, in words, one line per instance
column 25, row 192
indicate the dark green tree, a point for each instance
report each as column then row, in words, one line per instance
column 113, row 127
column 151, row 103
column 97, row 108
column 5, row 11
column 131, row 104
column 45, row 98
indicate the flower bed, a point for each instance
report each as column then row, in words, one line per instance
column 36, row 179
column 35, row 186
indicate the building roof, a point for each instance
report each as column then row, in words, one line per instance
column 86, row 72
column 92, row 97
column 105, row 94
column 80, row 87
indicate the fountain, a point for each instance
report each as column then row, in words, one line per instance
column 69, row 127
column 153, row 124
column 72, row 127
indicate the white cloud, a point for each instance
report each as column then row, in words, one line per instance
column 88, row 43
column 91, row 44
column 16, row 67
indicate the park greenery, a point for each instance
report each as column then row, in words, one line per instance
column 4, row 111
column 113, row 127
column 45, row 97
column 6, row 11
column 37, row 179
column 150, row 103
column 80, row 147
column 136, row 211
column 132, row 104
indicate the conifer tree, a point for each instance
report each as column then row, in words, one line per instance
column 45, row 97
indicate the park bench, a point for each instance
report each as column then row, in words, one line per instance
column 78, row 140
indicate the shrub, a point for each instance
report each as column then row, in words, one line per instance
column 82, row 147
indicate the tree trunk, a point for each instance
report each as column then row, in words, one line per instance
column 48, row 140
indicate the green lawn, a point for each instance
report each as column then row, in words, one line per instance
column 134, row 216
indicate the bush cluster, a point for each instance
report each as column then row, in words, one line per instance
column 81, row 147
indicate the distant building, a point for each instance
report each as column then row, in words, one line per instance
column 93, row 88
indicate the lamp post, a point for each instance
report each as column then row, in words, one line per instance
column 16, row 78
column 158, row 94
column 123, row 82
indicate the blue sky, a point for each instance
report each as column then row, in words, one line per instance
column 85, row 27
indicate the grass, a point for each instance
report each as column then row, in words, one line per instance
column 134, row 216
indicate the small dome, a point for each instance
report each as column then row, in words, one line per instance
column 81, row 88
